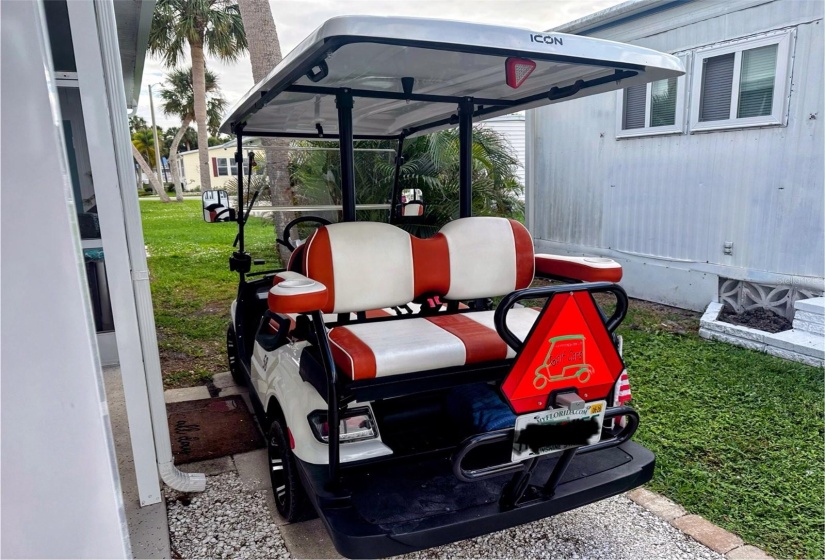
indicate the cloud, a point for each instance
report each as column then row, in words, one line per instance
column 295, row 19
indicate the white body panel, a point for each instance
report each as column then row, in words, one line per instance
column 276, row 374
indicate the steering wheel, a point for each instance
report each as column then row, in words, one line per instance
column 287, row 229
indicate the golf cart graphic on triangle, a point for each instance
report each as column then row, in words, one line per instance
column 553, row 357
column 564, row 360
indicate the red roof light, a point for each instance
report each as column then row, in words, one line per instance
column 517, row 70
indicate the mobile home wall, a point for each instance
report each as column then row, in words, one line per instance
column 665, row 206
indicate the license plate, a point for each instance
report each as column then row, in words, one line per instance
column 557, row 429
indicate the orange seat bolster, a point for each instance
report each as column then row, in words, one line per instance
column 586, row 269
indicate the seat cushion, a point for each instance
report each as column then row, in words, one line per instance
column 386, row 348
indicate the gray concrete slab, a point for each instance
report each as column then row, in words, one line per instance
column 223, row 380
column 148, row 526
column 186, row 394
column 308, row 540
column 253, row 468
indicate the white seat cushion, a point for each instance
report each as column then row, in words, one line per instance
column 386, row 348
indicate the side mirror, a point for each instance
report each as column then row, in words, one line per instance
column 216, row 207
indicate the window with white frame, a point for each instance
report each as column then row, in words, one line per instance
column 228, row 166
column 649, row 109
column 741, row 84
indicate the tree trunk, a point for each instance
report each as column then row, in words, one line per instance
column 174, row 164
column 265, row 54
column 147, row 170
column 199, row 91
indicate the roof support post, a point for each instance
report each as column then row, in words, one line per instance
column 396, row 184
column 239, row 163
column 465, row 157
column 343, row 101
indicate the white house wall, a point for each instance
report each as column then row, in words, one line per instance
column 512, row 128
column 191, row 171
column 665, row 205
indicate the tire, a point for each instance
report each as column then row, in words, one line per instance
column 232, row 357
column 291, row 499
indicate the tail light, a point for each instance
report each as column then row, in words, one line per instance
column 355, row 424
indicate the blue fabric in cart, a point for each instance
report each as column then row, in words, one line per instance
column 479, row 408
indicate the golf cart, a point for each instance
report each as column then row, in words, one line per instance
column 401, row 405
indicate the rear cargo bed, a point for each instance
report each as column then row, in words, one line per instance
column 402, row 507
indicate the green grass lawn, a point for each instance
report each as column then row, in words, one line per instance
column 738, row 434
column 192, row 286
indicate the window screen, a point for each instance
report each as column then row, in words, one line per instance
column 663, row 102
column 756, row 81
column 222, row 167
column 717, row 84
column 634, row 107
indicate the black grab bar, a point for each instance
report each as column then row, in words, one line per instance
column 500, row 317
column 500, row 436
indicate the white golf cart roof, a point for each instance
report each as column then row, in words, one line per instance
column 446, row 60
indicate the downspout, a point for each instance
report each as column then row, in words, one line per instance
column 184, row 482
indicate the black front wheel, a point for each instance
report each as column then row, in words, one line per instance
column 232, row 356
column 290, row 497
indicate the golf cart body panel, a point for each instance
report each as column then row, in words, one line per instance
column 410, row 410
column 446, row 59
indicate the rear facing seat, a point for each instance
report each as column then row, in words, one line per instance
column 365, row 265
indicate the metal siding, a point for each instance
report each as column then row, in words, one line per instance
column 681, row 197
column 512, row 127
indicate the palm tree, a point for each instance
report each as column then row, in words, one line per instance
column 136, row 123
column 178, row 98
column 431, row 164
column 207, row 26
column 265, row 54
column 143, row 150
column 189, row 140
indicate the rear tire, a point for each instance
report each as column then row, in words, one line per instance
column 291, row 499
column 233, row 358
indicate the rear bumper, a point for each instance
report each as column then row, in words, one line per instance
column 400, row 508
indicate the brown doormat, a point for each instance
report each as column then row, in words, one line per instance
column 210, row 428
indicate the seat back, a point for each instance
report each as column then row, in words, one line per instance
column 371, row 265
column 488, row 257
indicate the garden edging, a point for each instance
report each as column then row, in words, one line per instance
column 700, row 529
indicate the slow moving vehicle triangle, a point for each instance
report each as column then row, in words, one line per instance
column 569, row 349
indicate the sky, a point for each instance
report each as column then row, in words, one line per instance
column 295, row 19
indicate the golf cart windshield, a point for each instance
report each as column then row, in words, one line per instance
column 408, row 74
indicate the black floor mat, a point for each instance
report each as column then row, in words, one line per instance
column 403, row 494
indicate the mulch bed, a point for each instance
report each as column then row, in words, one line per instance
column 211, row 428
column 757, row 318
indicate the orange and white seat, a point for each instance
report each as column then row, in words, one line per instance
column 358, row 266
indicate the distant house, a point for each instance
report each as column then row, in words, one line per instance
column 706, row 187
column 222, row 167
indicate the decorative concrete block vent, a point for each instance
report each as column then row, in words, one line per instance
column 804, row 343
